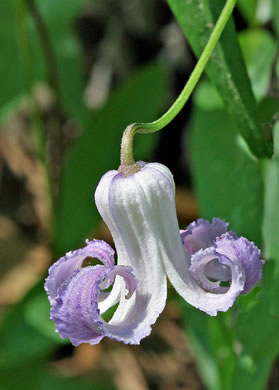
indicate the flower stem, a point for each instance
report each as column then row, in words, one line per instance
column 127, row 158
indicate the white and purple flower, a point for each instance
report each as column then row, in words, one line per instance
column 208, row 265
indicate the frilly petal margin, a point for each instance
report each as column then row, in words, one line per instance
column 246, row 253
column 200, row 234
column 227, row 258
column 76, row 312
column 198, row 270
column 63, row 268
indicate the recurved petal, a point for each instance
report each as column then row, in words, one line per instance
column 75, row 310
column 202, row 259
column 63, row 268
column 200, row 234
column 246, row 253
column 176, row 259
column 218, row 271
column 202, row 294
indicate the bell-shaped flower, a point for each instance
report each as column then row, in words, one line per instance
column 139, row 210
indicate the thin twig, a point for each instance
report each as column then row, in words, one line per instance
column 55, row 137
column 47, row 49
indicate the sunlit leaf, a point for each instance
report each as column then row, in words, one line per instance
column 226, row 68
column 275, row 13
column 206, row 96
column 264, row 11
column 248, row 9
column 271, row 215
column 259, row 48
column 256, row 11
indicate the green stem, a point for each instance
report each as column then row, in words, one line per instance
column 127, row 158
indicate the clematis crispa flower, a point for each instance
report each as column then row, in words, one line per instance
column 139, row 210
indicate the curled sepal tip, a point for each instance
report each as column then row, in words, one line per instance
column 222, row 265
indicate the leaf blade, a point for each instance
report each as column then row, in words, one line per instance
column 227, row 178
column 226, row 68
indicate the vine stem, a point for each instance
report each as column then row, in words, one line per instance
column 46, row 46
column 55, row 139
column 127, row 157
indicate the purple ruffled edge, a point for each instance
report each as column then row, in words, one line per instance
column 74, row 301
column 63, row 268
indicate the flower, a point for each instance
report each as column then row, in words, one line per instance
column 139, row 210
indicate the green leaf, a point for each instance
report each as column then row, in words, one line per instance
column 28, row 338
column 256, row 331
column 58, row 19
column 264, row 11
column 24, row 376
column 19, row 339
column 22, row 56
column 259, row 48
column 51, row 381
column 267, row 110
column 34, row 375
column 253, row 43
column 256, row 11
column 275, row 13
column 24, row 349
column 250, row 374
column 211, row 339
column 248, row 9
column 37, row 314
column 12, row 79
column 271, row 215
column 227, row 179
column 98, row 150
column 60, row 15
column 196, row 325
column 226, row 68
column 259, row 341
column 206, row 96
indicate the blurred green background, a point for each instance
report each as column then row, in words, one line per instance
column 74, row 74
